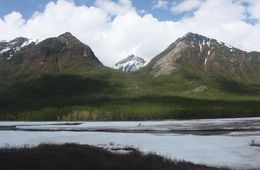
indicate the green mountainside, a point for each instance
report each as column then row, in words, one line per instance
column 60, row 78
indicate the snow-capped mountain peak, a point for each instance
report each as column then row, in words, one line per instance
column 130, row 64
column 9, row 48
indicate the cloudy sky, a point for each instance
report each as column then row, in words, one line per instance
column 117, row 28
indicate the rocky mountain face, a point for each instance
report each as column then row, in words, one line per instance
column 50, row 55
column 131, row 63
column 196, row 52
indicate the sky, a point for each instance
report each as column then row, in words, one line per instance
column 115, row 29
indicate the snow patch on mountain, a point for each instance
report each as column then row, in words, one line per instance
column 5, row 50
column 200, row 47
column 36, row 41
column 130, row 64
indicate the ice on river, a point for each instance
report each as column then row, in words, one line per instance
column 232, row 149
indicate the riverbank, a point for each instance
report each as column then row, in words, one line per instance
column 73, row 156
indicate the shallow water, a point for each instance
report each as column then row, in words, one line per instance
column 230, row 149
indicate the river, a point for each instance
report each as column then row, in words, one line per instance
column 216, row 142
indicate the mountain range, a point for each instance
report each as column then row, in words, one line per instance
column 60, row 78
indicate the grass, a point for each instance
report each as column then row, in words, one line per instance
column 107, row 94
column 78, row 157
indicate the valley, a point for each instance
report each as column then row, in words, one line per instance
column 129, row 85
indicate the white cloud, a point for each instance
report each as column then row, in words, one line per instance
column 116, row 29
column 87, row 23
column 11, row 25
column 161, row 4
column 185, row 6
column 115, row 8
column 254, row 9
